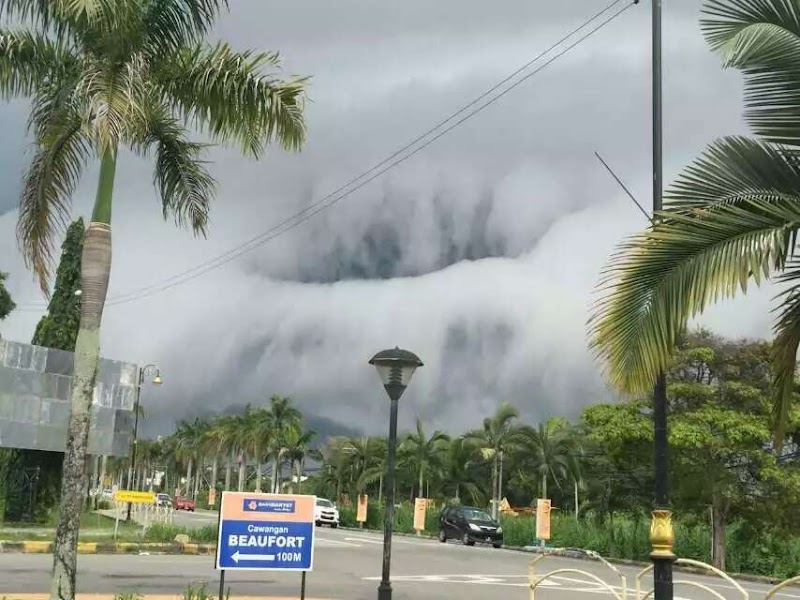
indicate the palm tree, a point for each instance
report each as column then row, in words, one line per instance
column 732, row 216
column 546, row 450
column 498, row 436
column 188, row 437
column 256, row 431
column 297, row 449
column 227, row 433
column 104, row 76
column 459, row 471
column 424, row 452
column 283, row 418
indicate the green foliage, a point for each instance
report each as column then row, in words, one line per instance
column 59, row 327
column 156, row 77
column 165, row 534
column 6, row 303
column 731, row 217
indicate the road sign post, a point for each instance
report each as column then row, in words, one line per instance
column 265, row 532
column 130, row 497
column 543, row 508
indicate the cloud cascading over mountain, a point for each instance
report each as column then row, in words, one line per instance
column 479, row 253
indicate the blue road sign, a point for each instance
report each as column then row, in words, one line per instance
column 266, row 532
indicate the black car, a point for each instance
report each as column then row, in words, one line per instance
column 470, row 525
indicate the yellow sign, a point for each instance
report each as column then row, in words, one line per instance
column 543, row 519
column 212, row 496
column 420, row 506
column 134, row 497
column 361, row 513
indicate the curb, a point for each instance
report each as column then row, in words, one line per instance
column 39, row 547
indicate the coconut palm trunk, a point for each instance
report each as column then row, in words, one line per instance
column 95, row 273
column 214, row 472
column 241, row 483
column 276, row 485
column 495, row 470
column 500, row 478
column 189, row 477
column 228, row 475
column 258, row 476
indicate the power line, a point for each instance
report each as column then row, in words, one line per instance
column 396, row 158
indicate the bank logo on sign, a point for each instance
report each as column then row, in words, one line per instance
column 271, row 506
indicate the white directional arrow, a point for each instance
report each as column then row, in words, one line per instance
column 237, row 556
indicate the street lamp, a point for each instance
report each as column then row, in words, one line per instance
column 395, row 367
column 146, row 371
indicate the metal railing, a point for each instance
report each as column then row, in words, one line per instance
column 784, row 584
column 692, row 563
column 535, row 581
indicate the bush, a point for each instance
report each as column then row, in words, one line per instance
column 165, row 534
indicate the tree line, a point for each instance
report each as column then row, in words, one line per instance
column 725, row 468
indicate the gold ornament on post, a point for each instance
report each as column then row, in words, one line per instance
column 662, row 536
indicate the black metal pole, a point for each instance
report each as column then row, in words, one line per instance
column 661, row 532
column 132, row 463
column 385, row 588
column 221, row 584
column 303, row 586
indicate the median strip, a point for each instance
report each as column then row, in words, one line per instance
column 40, row 547
column 13, row 596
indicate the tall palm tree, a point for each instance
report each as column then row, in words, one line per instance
column 188, row 438
column 283, row 418
column 297, row 450
column 732, row 216
column 104, row 76
column 498, row 436
column 424, row 452
column 459, row 471
column 546, row 450
column 227, row 433
column 256, row 437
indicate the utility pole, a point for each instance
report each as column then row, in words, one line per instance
column 662, row 536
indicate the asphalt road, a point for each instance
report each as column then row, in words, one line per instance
column 347, row 566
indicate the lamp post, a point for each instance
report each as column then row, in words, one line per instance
column 395, row 367
column 145, row 371
column 662, row 536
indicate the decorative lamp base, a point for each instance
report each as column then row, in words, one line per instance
column 662, row 535
column 385, row 591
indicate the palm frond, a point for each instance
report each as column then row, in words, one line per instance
column 29, row 60
column 185, row 186
column 229, row 94
column 174, row 24
column 762, row 39
column 61, row 16
column 113, row 100
column 784, row 347
column 663, row 277
column 61, row 152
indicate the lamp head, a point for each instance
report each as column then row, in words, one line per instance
column 395, row 367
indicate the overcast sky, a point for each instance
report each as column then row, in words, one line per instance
column 479, row 254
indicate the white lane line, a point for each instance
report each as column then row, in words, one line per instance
column 336, row 542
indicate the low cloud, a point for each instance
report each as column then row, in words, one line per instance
column 480, row 253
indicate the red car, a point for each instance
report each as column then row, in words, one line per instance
column 184, row 504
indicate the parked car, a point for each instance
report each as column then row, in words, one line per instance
column 326, row 513
column 184, row 504
column 163, row 500
column 470, row 525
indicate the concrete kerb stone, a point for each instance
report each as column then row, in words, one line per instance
column 39, row 547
